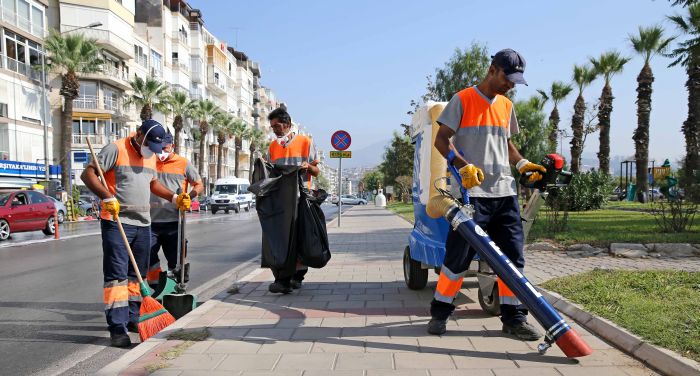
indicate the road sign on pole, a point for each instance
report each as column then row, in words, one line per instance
column 341, row 141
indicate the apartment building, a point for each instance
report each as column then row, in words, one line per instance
column 24, row 115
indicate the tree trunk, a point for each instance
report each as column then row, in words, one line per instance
column 238, row 154
column 204, row 129
column 691, row 126
column 69, row 90
column 177, row 126
column 221, row 138
column 606, row 107
column 641, row 134
column 250, row 161
column 554, row 129
column 146, row 112
column 577, row 129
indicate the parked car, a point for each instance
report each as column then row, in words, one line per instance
column 655, row 194
column 22, row 211
column 231, row 194
column 195, row 206
column 89, row 208
column 60, row 208
column 352, row 200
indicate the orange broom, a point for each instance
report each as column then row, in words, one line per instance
column 153, row 317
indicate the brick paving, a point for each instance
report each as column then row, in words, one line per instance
column 357, row 317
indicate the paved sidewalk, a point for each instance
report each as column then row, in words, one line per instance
column 357, row 317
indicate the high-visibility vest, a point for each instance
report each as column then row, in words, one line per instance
column 294, row 153
column 129, row 181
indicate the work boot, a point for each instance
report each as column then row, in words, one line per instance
column 132, row 327
column 296, row 285
column 437, row 326
column 278, row 288
column 120, row 340
column 523, row 331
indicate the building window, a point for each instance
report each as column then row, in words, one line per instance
column 156, row 64
column 140, row 56
column 37, row 21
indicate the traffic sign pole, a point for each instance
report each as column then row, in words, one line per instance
column 340, row 188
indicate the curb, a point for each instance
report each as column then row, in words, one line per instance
column 114, row 368
column 661, row 359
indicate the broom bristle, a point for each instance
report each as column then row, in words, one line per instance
column 160, row 318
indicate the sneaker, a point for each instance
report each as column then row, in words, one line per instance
column 296, row 285
column 120, row 340
column 523, row 331
column 437, row 326
column 132, row 327
column 278, row 288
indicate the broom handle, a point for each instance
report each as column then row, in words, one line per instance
column 116, row 217
column 183, row 242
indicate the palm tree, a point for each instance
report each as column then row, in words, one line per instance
column 149, row 94
column 70, row 55
column 257, row 140
column 687, row 54
column 239, row 130
column 203, row 110
column 608, row 64
column 583, row 76
column 557, row 93
column 178, row 104
column 222, row 124
column 648, row 42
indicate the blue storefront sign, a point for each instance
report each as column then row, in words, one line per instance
column 12, row 168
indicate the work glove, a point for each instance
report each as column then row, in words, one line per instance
column 471, row 176
column 182, row 201
column 537, row 171
column 111, row 205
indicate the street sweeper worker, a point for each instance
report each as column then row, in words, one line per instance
column 290, row 148
column 129, row 166
column 479, row 121
column 174, row 171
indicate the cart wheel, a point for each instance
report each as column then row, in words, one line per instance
column 415, row 276
column 491, row 303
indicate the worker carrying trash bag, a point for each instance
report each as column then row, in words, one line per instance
column 479, row 121
column 293, row 157
column 174, row 171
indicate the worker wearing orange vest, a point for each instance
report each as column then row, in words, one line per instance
column 294, row 149
column 173, row 172
column 479, row 122
column 129, row 166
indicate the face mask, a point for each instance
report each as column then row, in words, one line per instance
column 285, row 139
column 163, row 156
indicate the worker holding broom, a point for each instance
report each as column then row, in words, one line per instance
column 129, row 166
column 174, row 171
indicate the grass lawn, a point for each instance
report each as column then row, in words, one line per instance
column 602, row 227
column 663, row 307
column 404, row 209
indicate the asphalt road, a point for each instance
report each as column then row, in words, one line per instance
column 51, row 315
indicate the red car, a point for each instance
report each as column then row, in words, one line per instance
column 26, row 211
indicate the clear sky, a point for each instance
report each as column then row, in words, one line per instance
column 355, row 65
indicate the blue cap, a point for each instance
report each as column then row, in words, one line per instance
column 155, row 135
column 168, row 139
column 512, row 63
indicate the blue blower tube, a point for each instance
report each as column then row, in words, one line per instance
column 557, row 330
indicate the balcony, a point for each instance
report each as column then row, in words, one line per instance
column 95, row 139
column 92, row 102
column 86, row 102
column 19, row 67
column 215, row 83
column 35, row 28
column 180, row 64
column 110, row 41
column 141, row 60
column 112, row 76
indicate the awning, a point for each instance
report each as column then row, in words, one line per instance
column 15, row 183
column 91, row 115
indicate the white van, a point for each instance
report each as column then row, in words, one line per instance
column 231, row 194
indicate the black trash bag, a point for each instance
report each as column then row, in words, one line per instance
column 276, row 192
column 312, row 237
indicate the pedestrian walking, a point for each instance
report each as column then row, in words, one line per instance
column 479, row 121
column 290, row 148
column 129, row 166
column 174, row 172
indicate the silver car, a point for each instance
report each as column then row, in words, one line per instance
column 352, row 200
column 60, row 208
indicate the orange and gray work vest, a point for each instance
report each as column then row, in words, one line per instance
column 299, row 149
column 172, row 173
column 482, row 128
column 129, row 178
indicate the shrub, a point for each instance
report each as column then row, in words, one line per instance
column 587, row 191
column 674, row 215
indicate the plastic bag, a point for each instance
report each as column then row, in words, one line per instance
column 312, row 237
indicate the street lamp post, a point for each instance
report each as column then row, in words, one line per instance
column 88, row 26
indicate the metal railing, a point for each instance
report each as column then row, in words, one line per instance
column 111, row 103
column 97, row 139
column 86, row 102
column 180, row 64
column 112, row 71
